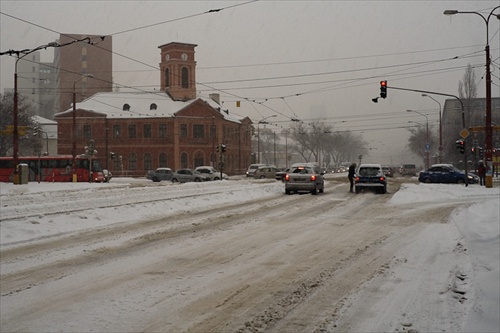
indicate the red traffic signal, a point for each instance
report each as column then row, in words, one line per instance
column 383, row 89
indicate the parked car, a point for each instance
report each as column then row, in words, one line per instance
column 304, row 177
column 370, row 177
column 252, row 168
column 188, row 175
column 160, row 174
column 281, row 173
column 443, row 173
column 473, row 177
column 211, row 173
column 388, row 171
column 408, row 170
column 266, row 171
column 107, row 175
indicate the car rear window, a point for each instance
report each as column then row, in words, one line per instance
column 369, row 172
column 302, row 170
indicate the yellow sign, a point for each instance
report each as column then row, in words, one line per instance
column 464, row 133
column 9, row 130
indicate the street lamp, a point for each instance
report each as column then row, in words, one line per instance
column 427, row 162
column 15, row 134
column 488, row 128
column 73, row 151
column 262, row 121
column 440, row 155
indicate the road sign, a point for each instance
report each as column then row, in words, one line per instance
column 464, row 133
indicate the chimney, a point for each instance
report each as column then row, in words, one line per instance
column 215, row 98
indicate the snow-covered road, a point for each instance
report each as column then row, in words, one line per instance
column 240, row 256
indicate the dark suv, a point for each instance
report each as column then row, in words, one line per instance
column 370, row 177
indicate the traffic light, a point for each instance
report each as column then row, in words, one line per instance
column 223, row 148
column 218, row 148
column 112, row 155
column 383, row 89
column 460, row 144
column 480, row 151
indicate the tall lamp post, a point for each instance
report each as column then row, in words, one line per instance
column 73, row 150
column 427, row 162
column 15, row 121
column 440, row 155
column 487, row 129
column 262, row 121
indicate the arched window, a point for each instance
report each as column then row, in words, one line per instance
column 184, row 160
column 167, row 77
column 126, row 107
column 163, row 160
column 185, row 77
column 153, row 106
column 148, row 162
column 199, row 159
column 132, row 161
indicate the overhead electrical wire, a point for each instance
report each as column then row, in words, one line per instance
column 254, row 100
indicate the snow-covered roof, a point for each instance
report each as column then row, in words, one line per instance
column 47, row 125
column 140, row 105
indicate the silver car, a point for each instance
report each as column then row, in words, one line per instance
column 188, row 175
column 211, row 173
column 305, row 177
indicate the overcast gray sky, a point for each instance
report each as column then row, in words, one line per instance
column 312, row 60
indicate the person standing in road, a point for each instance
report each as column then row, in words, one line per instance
column 481, row 172
column 350, row 175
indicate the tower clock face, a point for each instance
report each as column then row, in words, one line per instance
column 184, row 56
column 167, row 57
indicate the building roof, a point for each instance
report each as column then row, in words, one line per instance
column 153, row 104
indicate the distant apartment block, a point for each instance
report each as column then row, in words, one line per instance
column 49, row 85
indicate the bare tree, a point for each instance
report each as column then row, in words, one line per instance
column 319, row 142
column 418, row 140
column 467, row 91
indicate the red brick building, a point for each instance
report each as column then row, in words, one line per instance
column 146, row 130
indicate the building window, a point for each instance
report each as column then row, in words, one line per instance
column 212, row 131
column 167, row 77
column 184, row 130
column 148, row 162
column 117, row 131
column 185, row 77
column 199, row 159
column 153, row 106
column 132, row 131
column 147, row 130
column 126, row 107
column 162, row 131
column 163, row 160
column 87, row 132
column 132, row 161
column 184, row 160
column 198, row 131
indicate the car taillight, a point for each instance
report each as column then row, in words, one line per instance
column 356, row 179
column 287, row 177
column 313, row 177
column 382, row 178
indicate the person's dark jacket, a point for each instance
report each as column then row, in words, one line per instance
column 352, row 171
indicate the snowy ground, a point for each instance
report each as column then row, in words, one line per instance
column 469, row 236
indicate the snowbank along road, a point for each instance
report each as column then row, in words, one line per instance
column 229, row 261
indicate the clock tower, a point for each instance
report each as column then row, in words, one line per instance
column 178, row 69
